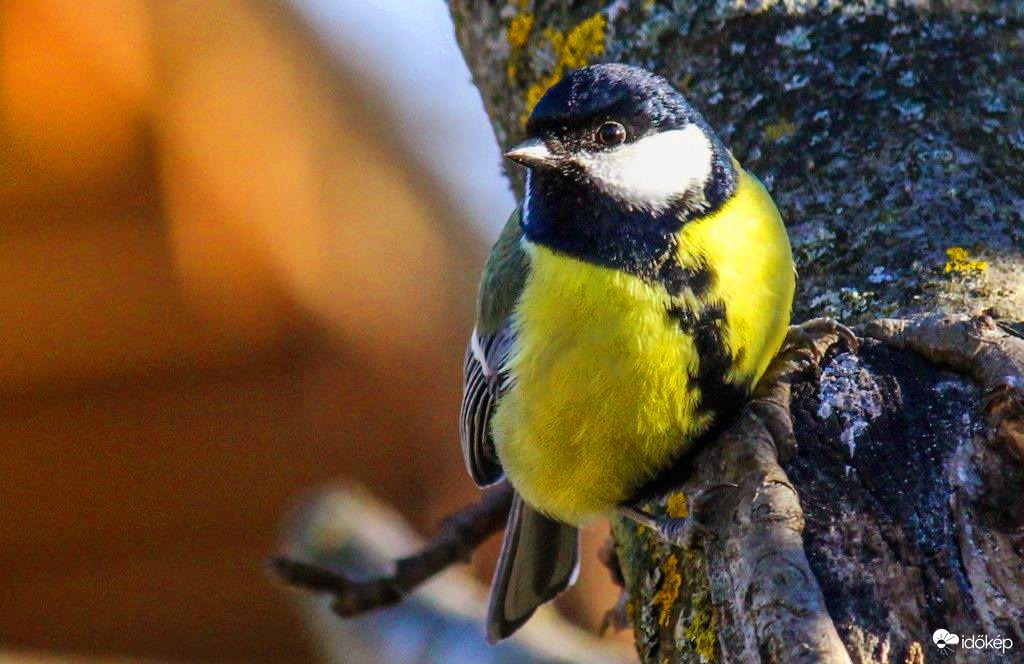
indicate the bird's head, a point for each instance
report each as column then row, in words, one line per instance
column 617, row 163
column 625, row 134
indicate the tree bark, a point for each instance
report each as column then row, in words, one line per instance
column 891, row 135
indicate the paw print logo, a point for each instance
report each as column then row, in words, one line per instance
column 944, row 641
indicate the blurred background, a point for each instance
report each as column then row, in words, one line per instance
column 240, row 244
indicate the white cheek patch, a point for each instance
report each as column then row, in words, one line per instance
column 655, row 171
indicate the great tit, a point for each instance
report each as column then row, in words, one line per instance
column 627, row 309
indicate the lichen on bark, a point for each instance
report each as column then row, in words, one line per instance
column 670, row 600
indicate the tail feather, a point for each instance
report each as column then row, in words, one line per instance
column 539, row 559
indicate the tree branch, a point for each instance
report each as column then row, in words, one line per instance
column 975, row 346
column 761, row 600
column 979, row 348
column 460, row 534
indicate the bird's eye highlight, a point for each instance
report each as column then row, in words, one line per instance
column 611, row 133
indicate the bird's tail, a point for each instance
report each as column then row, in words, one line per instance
column 539, row 559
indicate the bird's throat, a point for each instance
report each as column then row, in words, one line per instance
column 574, row 219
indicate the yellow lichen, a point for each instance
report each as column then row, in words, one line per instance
column 573, row 49
column 958, row 260
column 779, row 130
column 519, row 29
column 533, row 95
column 669, row 591
column 583, row 42
column 518, row 34
column 676, row 506
column 702, row 628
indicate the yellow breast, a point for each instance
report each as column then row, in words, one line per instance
column 602, row 399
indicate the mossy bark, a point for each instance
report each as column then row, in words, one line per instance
column 891, row 135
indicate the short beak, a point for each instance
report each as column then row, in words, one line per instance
column 532, row 153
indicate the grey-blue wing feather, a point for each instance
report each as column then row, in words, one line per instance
column 539, row 559
column 483, row 383
column 484, row 380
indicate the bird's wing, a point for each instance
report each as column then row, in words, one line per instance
column 489, row 344
column 482, row 387
column 503, row 278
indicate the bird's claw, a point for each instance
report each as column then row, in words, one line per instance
column 806, row 344
column 685, row 532
column 820, row 333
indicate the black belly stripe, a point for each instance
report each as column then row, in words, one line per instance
column 719, row 398
column 676, row 279
column 707, row 329
column 707, row 326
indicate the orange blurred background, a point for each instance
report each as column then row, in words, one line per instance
column 225, row 283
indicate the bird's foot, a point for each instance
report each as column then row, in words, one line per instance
column 802, row 353
column 806, row 343
column 685, row 532
column 779, row 424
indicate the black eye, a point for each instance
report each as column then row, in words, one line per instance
column 611, row 133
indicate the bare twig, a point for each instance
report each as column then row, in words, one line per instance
column 461, row 533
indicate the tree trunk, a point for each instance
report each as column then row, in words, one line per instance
column 891, row 136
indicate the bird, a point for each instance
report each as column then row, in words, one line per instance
column 627, row 309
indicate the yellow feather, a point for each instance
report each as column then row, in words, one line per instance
column 602, row 400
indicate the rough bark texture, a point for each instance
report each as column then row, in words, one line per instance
column 892, row 137
column 887, row 136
